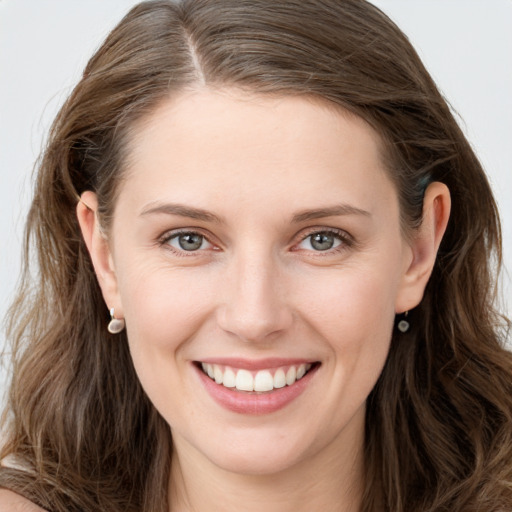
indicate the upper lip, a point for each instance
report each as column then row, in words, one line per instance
column 256, row 364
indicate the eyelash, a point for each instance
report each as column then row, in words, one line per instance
column 346, row 241
column 164, row 240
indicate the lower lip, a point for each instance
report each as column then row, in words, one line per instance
column 255, row 403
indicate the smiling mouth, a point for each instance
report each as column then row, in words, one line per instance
column 262, row 381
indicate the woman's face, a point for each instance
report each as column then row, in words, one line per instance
column 257, row 238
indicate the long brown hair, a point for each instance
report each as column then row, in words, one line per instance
column 439, row 421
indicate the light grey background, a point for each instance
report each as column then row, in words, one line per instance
column 44, row 45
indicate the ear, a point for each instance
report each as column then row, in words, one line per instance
column 424, row 246
column 99, row 250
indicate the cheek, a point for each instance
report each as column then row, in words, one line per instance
column 163, row 306
column 164, row 311
column 349, row 304
column 354, row 316
column 352, row 310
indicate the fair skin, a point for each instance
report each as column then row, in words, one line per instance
column 12, row 502
column 285, row 250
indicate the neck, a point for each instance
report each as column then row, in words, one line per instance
column 331, row 481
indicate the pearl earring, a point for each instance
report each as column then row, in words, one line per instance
column 404, row 325
column 116, row 325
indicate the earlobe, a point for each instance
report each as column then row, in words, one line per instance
column 424, row 245
column 99, row 250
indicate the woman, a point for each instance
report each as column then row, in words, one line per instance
column 265, row 277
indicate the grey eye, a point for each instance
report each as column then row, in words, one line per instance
column 322, row 241
column 188, row 242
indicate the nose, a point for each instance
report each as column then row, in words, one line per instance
column 254, row 307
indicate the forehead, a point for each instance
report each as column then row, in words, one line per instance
column 205, row 144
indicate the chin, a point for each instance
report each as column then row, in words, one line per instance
column 256, row 462
column 261, row 451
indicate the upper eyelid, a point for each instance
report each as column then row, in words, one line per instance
column 323, row 229
column 170, row 233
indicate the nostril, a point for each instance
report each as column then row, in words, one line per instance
column 256, row 323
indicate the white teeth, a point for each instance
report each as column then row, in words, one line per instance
column 279, row 379
column 301, row 371
column 244, row 381
column 229, row 380
column 261, row 381
column 218, row 374
column 291, row 375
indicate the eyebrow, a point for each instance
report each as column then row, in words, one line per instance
column 331, row 211
column 190, row 212
column 182, row 210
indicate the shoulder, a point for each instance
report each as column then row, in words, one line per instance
column 12, row 502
